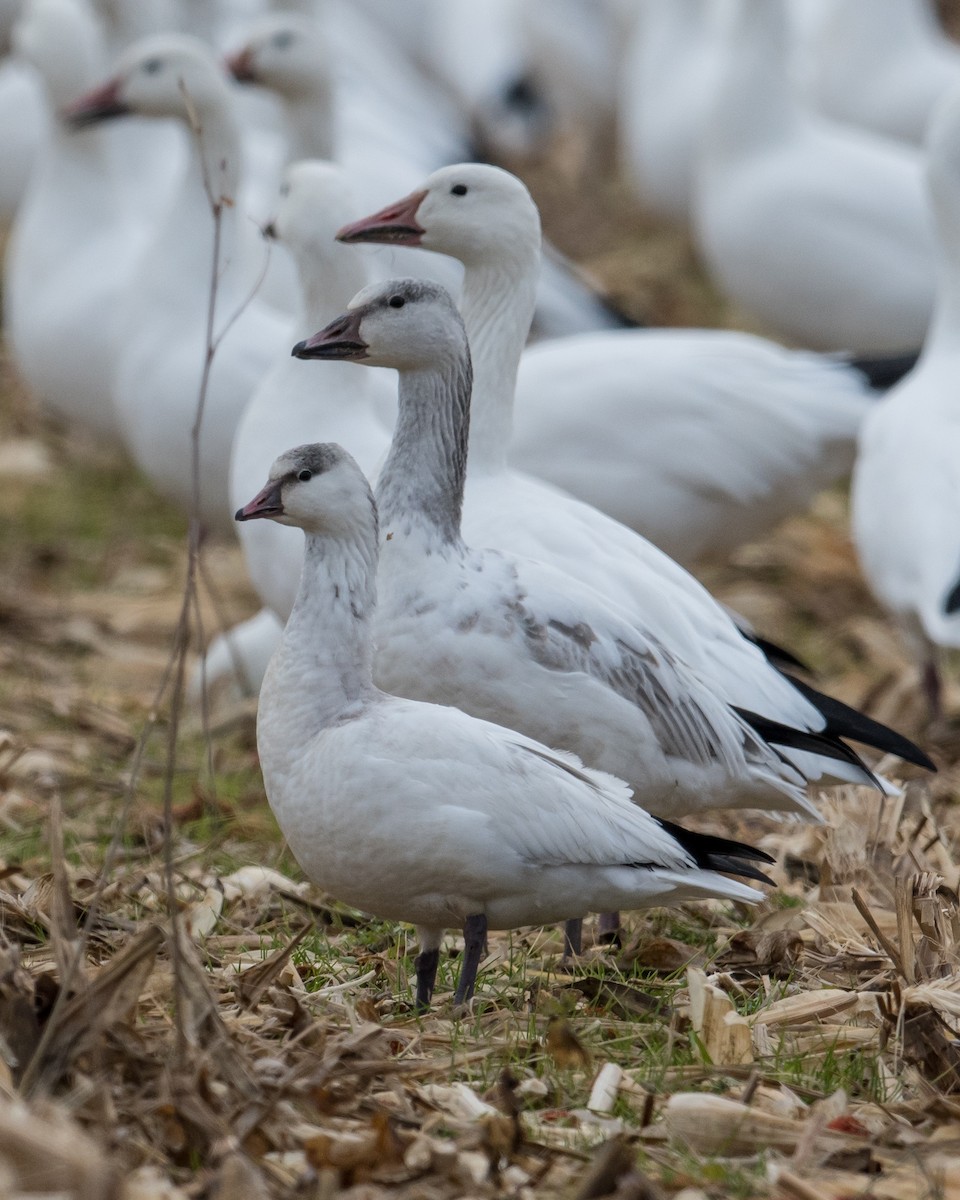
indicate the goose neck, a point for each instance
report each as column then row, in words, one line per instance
column 420, row 489
column 329, row 274
column 310, row 122
column 756, row 106
column 183, row 248
column 943, row 177
column 322, row 671
column 498, row 303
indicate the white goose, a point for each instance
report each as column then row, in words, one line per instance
column 291, row 55
column 23, row 124
column 667, row 84
column 822, row 230
column 906, row 484
column 157, row 382
column 882, row 64
column 416, row 812
column 69, row 256
column 700, row 440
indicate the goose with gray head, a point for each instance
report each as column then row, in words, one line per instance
column 511, row 511
column 515, row 641
column 417, row 812
column 163, row 346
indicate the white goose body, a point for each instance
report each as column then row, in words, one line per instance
column 417, row 812
column 883, row 65
column 906, row 484
column 821, row 230
column 159, row 371
column 701, row 440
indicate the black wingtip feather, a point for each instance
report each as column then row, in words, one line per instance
column 844, row 721
column 719, row 853
column 824, row 742
column 883, row 373
column 952, row 602
column 776, row 654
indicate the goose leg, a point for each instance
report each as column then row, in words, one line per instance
column 933, row 687
column 426, row 964
column 572, row 938
column 474, row 940
column 608, row 928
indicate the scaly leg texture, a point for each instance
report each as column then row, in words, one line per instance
column 474, row 943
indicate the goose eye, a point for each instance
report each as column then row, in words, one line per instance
column 283, row 40
column 304, row 476
column 153, row 65
column 458, row 189
column 284, row 189
column 396, row 302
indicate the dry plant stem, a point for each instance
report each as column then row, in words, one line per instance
column 190, row 601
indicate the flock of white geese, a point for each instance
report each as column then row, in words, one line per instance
column 493, row 684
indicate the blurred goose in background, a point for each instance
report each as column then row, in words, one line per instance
column 668, row 83
column 699, row 439
column 821, row 230
column 23, row 119
column 291, row 55
column 417, row 812
column 160, row 367
column 882, row 64
column 74, row 241
column 906, row 484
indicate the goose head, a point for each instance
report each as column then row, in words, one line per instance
column 167, row 75
column 408, row 324
column 471, row 211
column 286, row 53
column 60, row 39
column 314, row 199
column 318, row 488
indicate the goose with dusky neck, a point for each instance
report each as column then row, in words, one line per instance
column 509, row 511
column 417, row 812
column 516, row 641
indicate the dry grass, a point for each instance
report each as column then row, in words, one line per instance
column 806, row 1050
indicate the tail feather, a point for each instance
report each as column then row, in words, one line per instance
column 719, row 853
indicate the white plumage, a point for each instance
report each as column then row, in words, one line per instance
column 906, row 485
column 821, row 230
column 417, row 812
